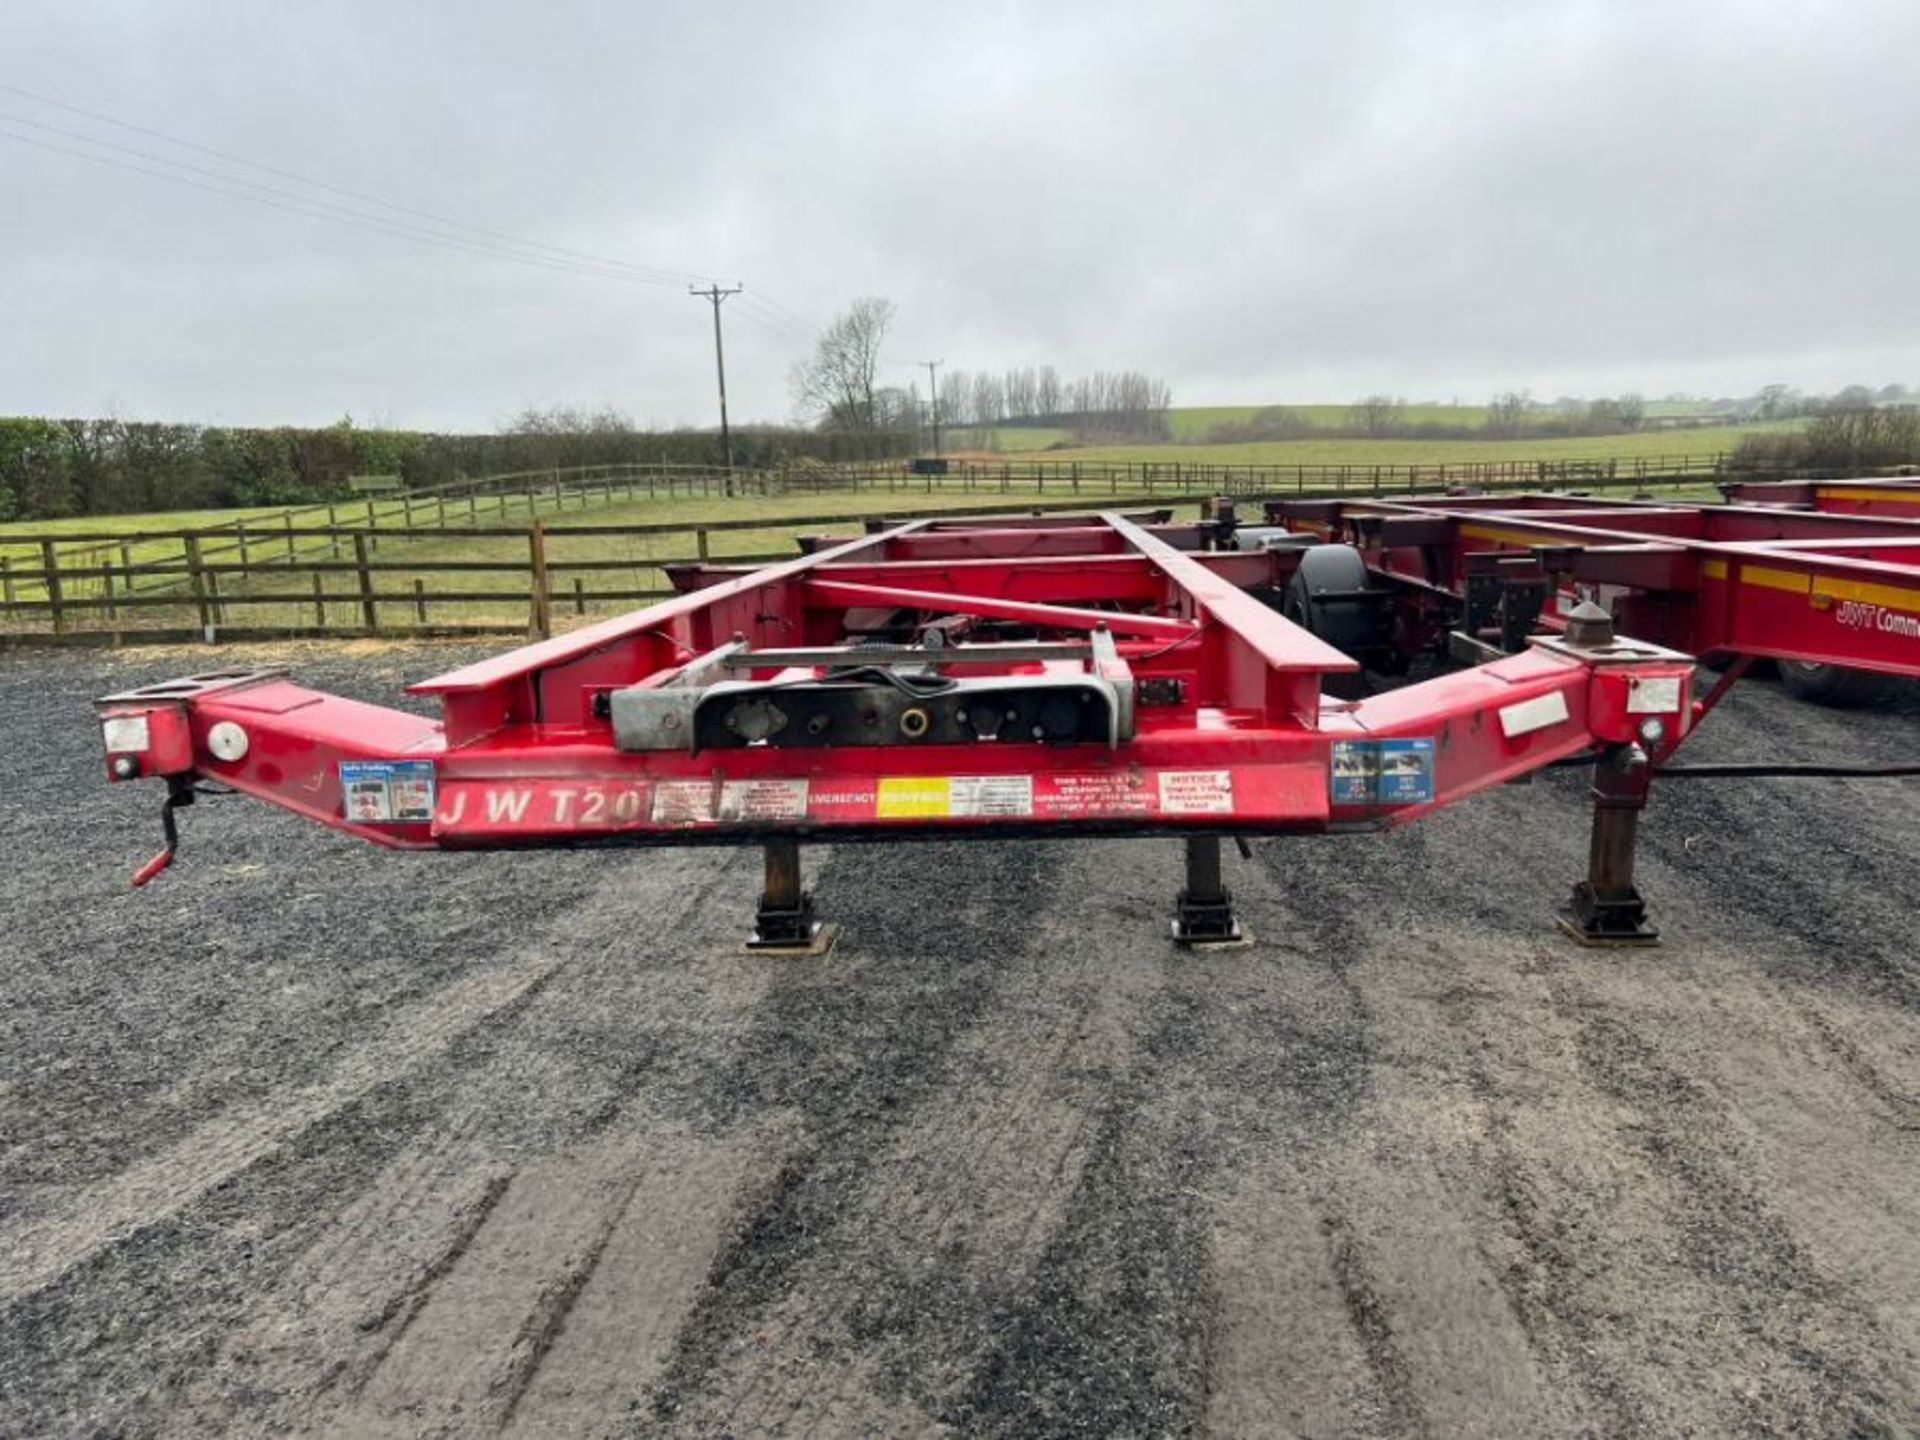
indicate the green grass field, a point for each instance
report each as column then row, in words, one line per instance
column 1189, row 425
column 1706, row 440
column 638, row 558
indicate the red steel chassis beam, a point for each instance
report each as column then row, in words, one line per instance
column 1219, row 723
column 1837, row 585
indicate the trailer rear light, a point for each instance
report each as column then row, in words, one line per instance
column 155, row 741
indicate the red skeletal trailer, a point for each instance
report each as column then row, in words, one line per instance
column 1078, row 675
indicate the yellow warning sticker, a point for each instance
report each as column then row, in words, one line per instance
column 904, row 797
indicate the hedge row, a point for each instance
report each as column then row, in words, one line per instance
column 53, row 468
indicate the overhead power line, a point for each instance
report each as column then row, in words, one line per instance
column 306, row 208
column 303, row 204
column 667, row 276
column 441, row 230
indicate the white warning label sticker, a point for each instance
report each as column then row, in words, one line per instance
column 763, row 800
column 1653, row 695
column 124, row 733
column 1527, row 716
column 1196, row 792
column 682, row 802
column 990, row 795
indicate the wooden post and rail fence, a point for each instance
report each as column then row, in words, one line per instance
column 276, row 576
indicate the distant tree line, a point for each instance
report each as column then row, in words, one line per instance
column 1840, row 438
column 53, row 468
column 838, row 388
column 1105, row 405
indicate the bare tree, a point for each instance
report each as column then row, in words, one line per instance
column 1377, row 414
column 1774, row 402
column 1506, row 413
column 1046, row 393
column 838, row 384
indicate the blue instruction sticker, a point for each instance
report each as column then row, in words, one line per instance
column 382, row 791
column 1382, row 772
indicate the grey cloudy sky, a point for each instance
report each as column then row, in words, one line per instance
column 1256, row 201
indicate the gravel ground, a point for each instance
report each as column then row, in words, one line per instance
column 310, row 1137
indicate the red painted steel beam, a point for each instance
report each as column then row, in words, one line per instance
column 846, row 594
column 1041, row 578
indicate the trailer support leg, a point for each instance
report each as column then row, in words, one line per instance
column 1203, row 913
column 785, row 921
column 1606, row 908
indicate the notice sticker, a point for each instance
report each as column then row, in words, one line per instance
column 991, row 794
column 374, row 792
column 1382, row 772
column 1196, row 792
column 1653, row 695
column 750, row 800
column 683, row 802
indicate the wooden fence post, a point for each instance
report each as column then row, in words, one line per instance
column 369, row 611
column 290, row 546
column 540, row 604
column 419, row 600
column 106, row 585
column 319, row 601
column 579, row 596
column 6, row 578
column 50, row 561
column 197, row 582
column 213, row 599
column 700, row 542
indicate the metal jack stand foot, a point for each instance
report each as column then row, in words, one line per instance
column 1606, row 908
column 785, row 924
column 1203, row 913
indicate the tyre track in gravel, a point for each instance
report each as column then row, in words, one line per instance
column 154, row 1191
column 856, row 1049
column 446, row 1315
column 977, row 1219
column 1373, row 1219
column 282, row 1236
column 1609, row 1145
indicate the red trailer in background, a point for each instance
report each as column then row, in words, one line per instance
column 1088, row 675
column 1822, row 577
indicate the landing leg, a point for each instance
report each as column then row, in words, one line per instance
column 785, row 922
column 1203, row 913
column 1606, row 908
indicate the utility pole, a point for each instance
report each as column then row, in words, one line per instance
column 933, row 404
column 716, row 295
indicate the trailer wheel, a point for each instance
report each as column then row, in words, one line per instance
column 1834, row 685
column 1325, row 570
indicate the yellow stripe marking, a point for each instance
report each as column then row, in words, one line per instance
column 1512, row 537
column 1907, row 493
column 1823, row 590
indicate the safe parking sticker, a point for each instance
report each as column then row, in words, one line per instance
column 381, row 791
column 1382, row 772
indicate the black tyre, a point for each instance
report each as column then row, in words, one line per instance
column 1327, row 597
column 1833, row 685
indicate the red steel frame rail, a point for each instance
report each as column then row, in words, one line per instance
column 1078, row 675
column 1836, row 585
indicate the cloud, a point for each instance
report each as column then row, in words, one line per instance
column 1256, row 201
